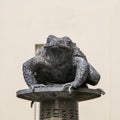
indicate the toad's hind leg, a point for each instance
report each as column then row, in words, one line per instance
column 93, row 76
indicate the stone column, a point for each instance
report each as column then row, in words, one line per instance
column 59, row 110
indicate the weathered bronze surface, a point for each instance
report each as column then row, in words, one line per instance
column 59, row 61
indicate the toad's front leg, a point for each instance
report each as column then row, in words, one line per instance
column 29, row 68
column 82, row 70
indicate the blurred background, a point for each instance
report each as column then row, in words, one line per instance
column 93, row 24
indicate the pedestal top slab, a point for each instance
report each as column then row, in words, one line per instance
column 56, row 92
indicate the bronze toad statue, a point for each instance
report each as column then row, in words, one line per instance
column 59, row 61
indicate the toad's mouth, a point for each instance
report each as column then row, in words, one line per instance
column 56, row 47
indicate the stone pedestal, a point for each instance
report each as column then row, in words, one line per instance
column 57, row 104
column 59, row 110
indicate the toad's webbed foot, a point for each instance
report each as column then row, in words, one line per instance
column 69, row 86
column 36, row 86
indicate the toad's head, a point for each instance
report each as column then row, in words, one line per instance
column 58, row 49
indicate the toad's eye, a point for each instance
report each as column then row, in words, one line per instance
column 67, row 39
column 49, row 40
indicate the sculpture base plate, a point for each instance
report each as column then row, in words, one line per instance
column 51, row 92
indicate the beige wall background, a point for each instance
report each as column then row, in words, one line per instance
column 93, row 24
